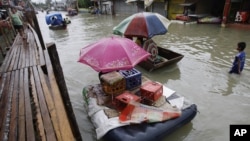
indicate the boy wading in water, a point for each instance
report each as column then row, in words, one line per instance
column 17, row 22
column 239, row 60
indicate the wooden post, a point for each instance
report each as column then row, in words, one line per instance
column 12, row 32
column 55, row 61
column 76, row 6
column 225, row 13
column 5, row 37
column 100, row 5
column 113, row 7
column 31, row 16
column 37, row 28
column 2, row 52
column 166, row 8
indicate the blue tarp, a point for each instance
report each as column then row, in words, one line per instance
column 57, row 19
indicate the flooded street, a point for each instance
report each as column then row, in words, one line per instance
column 201, row 76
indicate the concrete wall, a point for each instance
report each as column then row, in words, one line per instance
column 106, row 7
column 159, row 7
column 174, row 8
column 130, row 8
column 125, row 8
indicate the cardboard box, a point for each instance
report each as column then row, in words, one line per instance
column 151, row 91
column 113, row 83
column 123, row 99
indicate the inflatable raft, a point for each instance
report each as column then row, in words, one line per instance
column 111, row 129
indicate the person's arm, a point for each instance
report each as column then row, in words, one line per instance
column 239, row 64
column 9, row 15
column 7, row 19
column 20, row 15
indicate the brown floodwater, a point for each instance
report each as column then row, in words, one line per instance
column 201, row 76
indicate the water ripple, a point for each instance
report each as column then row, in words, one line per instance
column 201, row 76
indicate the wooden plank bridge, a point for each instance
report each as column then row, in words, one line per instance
column 34, row 101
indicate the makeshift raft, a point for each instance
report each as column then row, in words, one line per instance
column 107, row 124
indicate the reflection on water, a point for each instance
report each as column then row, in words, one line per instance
column 201, row 76
column 60, row 34
column 180, row 135
column 163, row 75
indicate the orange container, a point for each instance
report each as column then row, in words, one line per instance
column 123, row 99
column 151, row 91
column 113, row 83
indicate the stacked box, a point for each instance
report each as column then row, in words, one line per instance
column 151, row 91
column 132, row 77
column 113, row 83
column 123, row 99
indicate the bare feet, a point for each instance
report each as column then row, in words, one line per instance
column 24, row 37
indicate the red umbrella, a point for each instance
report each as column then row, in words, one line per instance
column 112, row 53
column 143, row 24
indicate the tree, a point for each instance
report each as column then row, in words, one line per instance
column 84, row 3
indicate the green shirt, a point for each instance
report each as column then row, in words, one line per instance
column 16, row 19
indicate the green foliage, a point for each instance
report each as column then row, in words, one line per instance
column 84, row 3
column 40, row 5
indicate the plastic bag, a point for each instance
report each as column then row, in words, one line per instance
column 136, row 113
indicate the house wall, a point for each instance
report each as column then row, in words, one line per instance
column 203, row 7
column 171, row 8
column 246, row 5
column 125, row 8
column 174, row 8
column 212, row 7
column 159, row 7
column 106, row 7
column 236, row 7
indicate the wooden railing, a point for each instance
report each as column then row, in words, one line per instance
column 34, row 100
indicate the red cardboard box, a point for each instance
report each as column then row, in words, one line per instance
column 151, row 91
column 123, row 99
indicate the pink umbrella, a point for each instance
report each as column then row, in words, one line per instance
column 112, row 53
